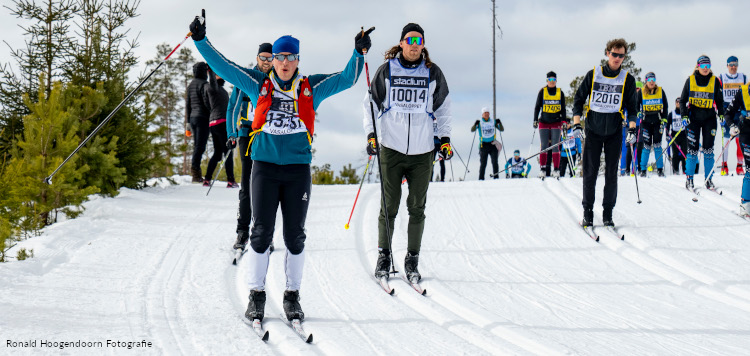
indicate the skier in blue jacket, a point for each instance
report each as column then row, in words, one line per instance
column 281, row 150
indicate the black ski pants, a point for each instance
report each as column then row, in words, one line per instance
column 219, row 137
column 286, row 185
column 592, row 151
column 200, row 139
column 244, row 211
column 487, row 149
column 564, row 163
column 678, row 150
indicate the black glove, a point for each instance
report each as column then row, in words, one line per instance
column 631, row 137
column 446, row 150
column 231, row 143
column 577, row 131
column 198, row 27
column 372, row 147
column 536, row 123
column 476, row 125
column 362, row 41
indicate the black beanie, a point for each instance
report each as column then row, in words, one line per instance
column 551, row 74
column 411, row 27
column 265, row 47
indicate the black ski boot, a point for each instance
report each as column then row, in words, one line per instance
column 196, row 173
column 241, row 242
column 710, row 184
column 257, row 305
column 588, row 217
column 383, row 266
column 410, row 265
column 689, row 183
column 660, row 172
column 292, row 309
column 642, row 173
column 607, row 217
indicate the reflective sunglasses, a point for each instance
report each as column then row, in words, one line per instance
column 289, row 57
column 705, row 66
column 617, row 55
column 413, row 40
column 650, row 79
column 733, row 64
column 552, row 79
column 265, row 58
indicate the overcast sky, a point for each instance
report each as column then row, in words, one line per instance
column 538, row 36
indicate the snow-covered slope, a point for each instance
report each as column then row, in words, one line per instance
column 506, row 266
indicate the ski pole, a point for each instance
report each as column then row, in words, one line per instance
column 377, row 151
column 217, row 172
column 528, row 158
column 531, row 144
column 670, row 144
column 710, row 175
column 459, row 157
column 637, row 191
column 453, row 178
column 567, row 149
column 48, row 180
column 468, row 160
column 503, row 143
column 369, row 158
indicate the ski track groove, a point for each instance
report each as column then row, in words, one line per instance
column 658, row 267
column 450, row 306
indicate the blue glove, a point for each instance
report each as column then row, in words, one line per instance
column 640, row 115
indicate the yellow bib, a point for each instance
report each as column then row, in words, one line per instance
column 702, row 97
column 551, row 103
column 652, row 103
column 746, row 96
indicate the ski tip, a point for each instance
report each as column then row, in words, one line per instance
column 622, row 238
column 393, row 291
column 309, row 339
column 597, row 239
column 424, row 292
column 234, row 261
column 265, row 336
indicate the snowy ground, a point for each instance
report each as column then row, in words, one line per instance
column 506, row 266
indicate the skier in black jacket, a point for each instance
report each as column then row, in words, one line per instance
column 218, row 99
column 197, row 113
column 703, row 91
column 612, row 91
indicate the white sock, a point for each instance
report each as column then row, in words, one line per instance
column 293, row 265
column 258, row 269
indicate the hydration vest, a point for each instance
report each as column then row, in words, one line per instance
column 285, row 112
column 702, row 97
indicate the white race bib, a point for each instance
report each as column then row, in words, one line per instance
column 409, row 90
column 606, row 92
column 283, row 117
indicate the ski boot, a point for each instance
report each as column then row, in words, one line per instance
column 206, row 183
column 660, row 172
column 241, row 242
column 724, row 169
column 257, row 305
column 231, row 184
column 383, row 266
column 556, row 174
column 588, row 217
column 196, row 173
column 740, row 170
column 710, row 184
column 642, row 173
column 410, row 265
column 292, row 309
column 542, row 174
column 689, row 183
column 607, row 218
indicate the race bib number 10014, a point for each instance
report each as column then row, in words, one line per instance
column 409, row 94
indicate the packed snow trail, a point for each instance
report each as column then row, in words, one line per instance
column 507, row 268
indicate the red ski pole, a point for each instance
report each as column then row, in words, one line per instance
column 369, row 158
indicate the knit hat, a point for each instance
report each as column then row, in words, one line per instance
column 411, row 27
column 732, row 59
column 551, row 74
column 485, row 110
column 704, row 60
column 516, row 152
column 286, row 44
column 650, row 75
column 266, row 47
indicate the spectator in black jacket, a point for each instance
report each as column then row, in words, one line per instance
column 197, row 113
column 218, row 98
column 612, row 91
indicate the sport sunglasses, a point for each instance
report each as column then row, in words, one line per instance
column 289, row 57
column 414, row 40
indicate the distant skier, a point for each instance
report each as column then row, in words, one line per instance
column 551, row 102
column 217, row 125
column 737, row 114
column 569, row 153
column 514, row 168
column 488, row 146
column 281, row 145
column 197, row 112
column 610, row 90
column 436, row 153
column 652, row 103
column 679, row 147
column 416, row 93
column 703, row 91
column 730, row 86
column 240, row 112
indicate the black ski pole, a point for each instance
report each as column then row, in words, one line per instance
column 459, row 157
column 377, row 153
column 48, row 180
column 637, row 191
column 468, row 160
column 217, row 172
